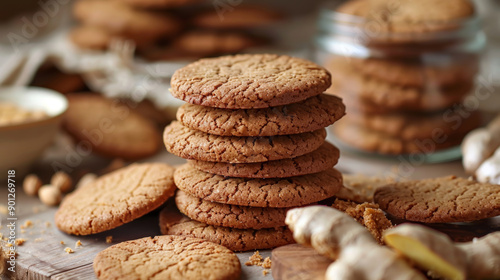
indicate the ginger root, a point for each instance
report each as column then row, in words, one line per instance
column 338, row 236
column 479, row 145
column 436, row 253
column 489, row 170
column 432, row 250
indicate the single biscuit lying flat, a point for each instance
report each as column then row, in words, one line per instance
column 167, row 257
column 286, row 192
column 249, row 81
column 110, row 128
column 226, row 215
column 440, row 200
column 193, row 144
column 116, row 198
column 321, row 159
column 312, row 114
column 173, row 222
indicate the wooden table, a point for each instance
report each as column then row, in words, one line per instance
column 43, row 255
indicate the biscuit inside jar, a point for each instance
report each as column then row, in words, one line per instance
column 11, row 114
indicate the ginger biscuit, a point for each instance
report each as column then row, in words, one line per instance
column 440, row 200
column 172, row 222
column 226, row 215
column 194, row 144
column 167, row 257
column 403, row 16
column 249, row 81
column 110, row 128
column 321, row 159
column 311, row 114
column 116, row 198
column 283, row 192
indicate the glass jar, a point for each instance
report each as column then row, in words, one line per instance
column 408, row 88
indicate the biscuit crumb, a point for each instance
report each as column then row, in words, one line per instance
column 255, row 259
column 265, row 272
column 9, row 245
column 20, row 241
column 5, row 239
column 1, row 235
column 3, row 209
column 109, row 239
column 367, row 214
column 266, row 263
column 48, row 224
column 39, row 239
column 23, row 231
column 78, row 244
column 62, row 242
column 68, row 250
column 27, row 224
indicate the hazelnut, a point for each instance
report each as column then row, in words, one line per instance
column 50, row 195
column 62, row 181
column 31, row 184
column 86, row 179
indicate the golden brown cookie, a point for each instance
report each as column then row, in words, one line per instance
column 417, row 126
column 321, row 159
column 406, row 16
column 240, row 16
column 357, row 88
column 440, row 200
column 110, row 128
column 167, row 257
column 226, row 215
column 311, row 114
column 417, row 73
column 373, row 141
column 286, row 192
column 172, row 222
column 150, row 4
column 249, row 81
column 120, row 19
column 209, row 43
column 115, row 199
column 193, row 144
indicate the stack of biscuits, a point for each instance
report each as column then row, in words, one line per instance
column 170, row 29
column 253, row 132
column 406, row 96
column 135, row 20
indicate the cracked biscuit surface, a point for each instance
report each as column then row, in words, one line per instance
column 286, row 192
column 249, row 81
column 440, row 200
column 116, row 198
column 193, row 144
column 173, row 222
column 226, row 215
column 312, row 114
column 167, row 257
column 321, row 159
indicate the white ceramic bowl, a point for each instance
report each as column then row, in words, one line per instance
column 22, row 144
